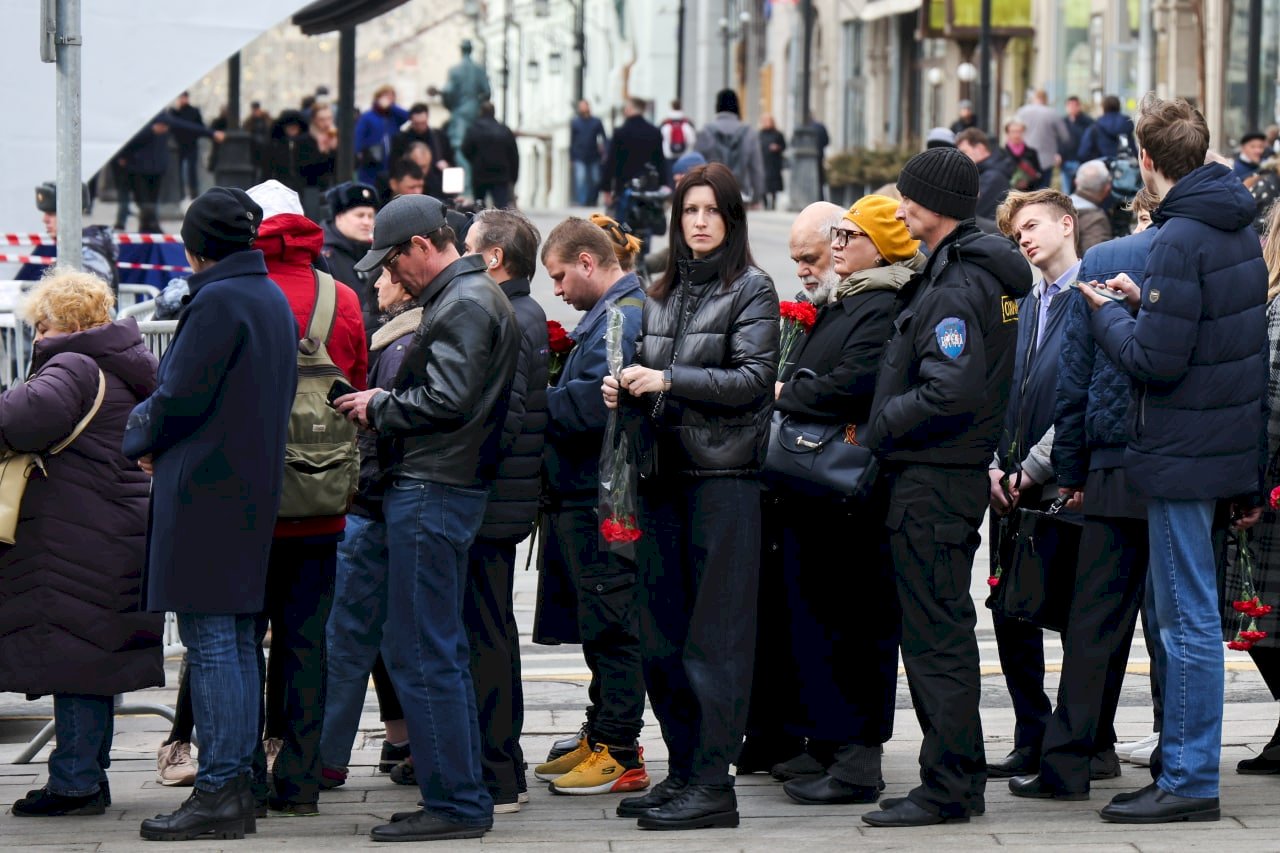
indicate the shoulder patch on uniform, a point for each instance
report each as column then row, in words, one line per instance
column 1153, row 296
column 951, row 336
column 1008, row 309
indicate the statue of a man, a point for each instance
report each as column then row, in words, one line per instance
column 467, row 88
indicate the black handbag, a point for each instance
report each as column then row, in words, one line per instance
column 1038, row 552
column 817, row 460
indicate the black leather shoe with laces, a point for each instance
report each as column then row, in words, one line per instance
column 827, row 790
column 907, row 812
column 217, row 814
column 696, row 807
column 42, row 802
column 421, row 826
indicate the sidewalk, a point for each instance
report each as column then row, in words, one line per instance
column 555, row 693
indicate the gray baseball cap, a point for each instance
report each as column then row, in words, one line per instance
column 403, row 218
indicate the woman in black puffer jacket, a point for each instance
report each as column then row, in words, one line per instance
column 71, row 622
column 707, row 362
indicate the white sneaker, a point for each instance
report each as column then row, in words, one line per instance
column 1142, row 757
column 174, row 766
column 1126, row 750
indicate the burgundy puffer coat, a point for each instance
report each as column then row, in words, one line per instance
column 70, row 589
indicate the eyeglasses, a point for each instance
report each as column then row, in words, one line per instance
column 840, row 237
column 389, row 262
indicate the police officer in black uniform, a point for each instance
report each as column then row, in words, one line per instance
column 939, row 405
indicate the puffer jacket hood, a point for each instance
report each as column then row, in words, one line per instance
column 290, row 238
column 997, row 255
column 1115, row 125
column 116, row 347
column 1212, row 195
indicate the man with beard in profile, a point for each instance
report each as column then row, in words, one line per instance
column 768, row 747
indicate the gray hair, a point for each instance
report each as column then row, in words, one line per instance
column 1092, row 177
column 514, row 234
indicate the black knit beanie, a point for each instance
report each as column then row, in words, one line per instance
column 221, row 222
column 727, row 102
column 942, row 179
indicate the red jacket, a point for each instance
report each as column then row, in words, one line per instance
column 291, row 243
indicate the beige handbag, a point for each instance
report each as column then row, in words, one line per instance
column 16, row 468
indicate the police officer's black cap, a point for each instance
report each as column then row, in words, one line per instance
column 345, row 196
column 47, row 198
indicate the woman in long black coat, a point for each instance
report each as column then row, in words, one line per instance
column 71, row 621
column 214, row 434
column 841, row 667
column 773, row 146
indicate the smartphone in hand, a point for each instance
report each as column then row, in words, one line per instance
column 339, row 388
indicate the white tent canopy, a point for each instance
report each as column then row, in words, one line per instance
column 137, row 56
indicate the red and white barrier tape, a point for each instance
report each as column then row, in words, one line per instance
column 121, row 239
column 124, row 265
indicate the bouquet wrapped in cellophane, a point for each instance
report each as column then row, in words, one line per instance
column 618, row 527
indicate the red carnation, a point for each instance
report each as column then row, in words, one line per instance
column 1238, row 646
column 1275, row 498
column 1242, row 606
column 615, row 529
column 993, row 581
column 803, row 313
column 1253, row 636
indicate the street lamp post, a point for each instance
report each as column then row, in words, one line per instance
column 935, row 78
column 806, row 184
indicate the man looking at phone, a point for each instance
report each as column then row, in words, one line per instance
column 1043, row 224
column 438, row 427
column 1197, row 351
column 304, row 552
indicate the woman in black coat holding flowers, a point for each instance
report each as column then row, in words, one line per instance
column 703, row 387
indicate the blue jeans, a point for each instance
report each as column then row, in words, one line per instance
column 84, row 726
column 429, row 530
column 225, row 693
column 586, row 183
column 1069, row 169
column 1182, row 599
column 355, row 633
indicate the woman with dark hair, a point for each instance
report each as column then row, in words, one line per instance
column 702, row 387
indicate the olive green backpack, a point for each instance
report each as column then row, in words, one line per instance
column 321, row 463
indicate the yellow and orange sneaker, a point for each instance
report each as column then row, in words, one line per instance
column 551, row 770
column 603, row 773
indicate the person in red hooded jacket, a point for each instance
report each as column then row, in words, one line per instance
column 304, row 553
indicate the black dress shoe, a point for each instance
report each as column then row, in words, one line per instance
column 797, row 767
column 889, row 802
column 827, row 790
column 1104, row 765
column 44, row 803
column 1132, row 795
column 1265, row 763
column 1020, row 762
column 760, row 754
column 659, row 795
column 1033, row 787
column 421, row 826
column 217, row 814
column 906, row 812
column 1156, row 805
column 696, row 807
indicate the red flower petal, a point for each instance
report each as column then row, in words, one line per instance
column 993, row 581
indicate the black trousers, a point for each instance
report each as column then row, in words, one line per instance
column 1110, row 578
column 184, row 716
column 300, row 580
column 146, row 192
column 608, row 622
column 389, row 709
column 488, row 615
column 933, row 520
column 699, row 567
column 499, row 194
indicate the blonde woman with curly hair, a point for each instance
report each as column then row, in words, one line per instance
column 71, row 620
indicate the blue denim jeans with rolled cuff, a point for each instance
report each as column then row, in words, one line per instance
column 84, row 726
column 225, row 693
column 1182, row 604
column 586, row 183
column 429, row 529
column 355, row 634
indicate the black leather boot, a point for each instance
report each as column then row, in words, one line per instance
column 248, row 804
column 696, row 807
column 659, row 795
column 217, row 814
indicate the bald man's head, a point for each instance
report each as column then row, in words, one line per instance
column 811, row 249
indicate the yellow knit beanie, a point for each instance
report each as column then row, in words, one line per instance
column 874, row 216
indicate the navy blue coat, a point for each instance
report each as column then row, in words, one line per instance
column 576, row 408
column 1102, row 140
column 1094, row 400
column 1197, row 349
column 216, row 429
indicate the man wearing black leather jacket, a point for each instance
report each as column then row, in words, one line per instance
column 939, row 404
column 438, row 432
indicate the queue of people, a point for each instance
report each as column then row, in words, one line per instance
column 1126, row 387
